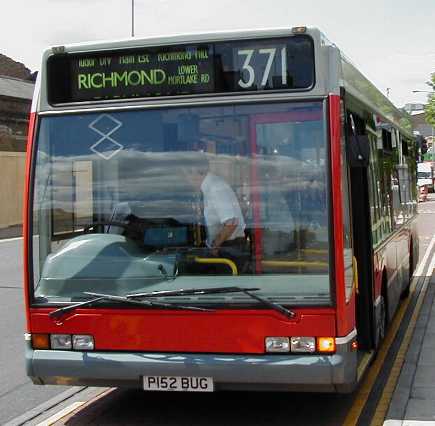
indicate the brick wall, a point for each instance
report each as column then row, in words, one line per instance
column 13, row 124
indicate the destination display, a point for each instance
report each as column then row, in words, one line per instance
column 224, row 67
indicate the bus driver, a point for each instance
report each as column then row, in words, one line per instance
column 223, row 217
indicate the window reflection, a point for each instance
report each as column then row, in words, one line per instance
column 128, row 173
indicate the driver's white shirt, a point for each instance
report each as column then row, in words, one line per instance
column 220, row 205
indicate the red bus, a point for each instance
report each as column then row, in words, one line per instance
column 215, row 211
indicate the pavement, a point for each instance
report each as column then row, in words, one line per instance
column 17, row 393
column 413, row 401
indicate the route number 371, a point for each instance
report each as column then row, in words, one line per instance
column 250, row 71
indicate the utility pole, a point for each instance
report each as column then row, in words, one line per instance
column 132, row 18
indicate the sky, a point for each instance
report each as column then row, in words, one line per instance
column 391, row 41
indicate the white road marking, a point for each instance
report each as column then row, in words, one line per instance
column 420, row 268
column 409, row 423
column 53, row 419
column 431, row 267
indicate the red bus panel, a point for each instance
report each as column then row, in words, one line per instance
column 236, row 331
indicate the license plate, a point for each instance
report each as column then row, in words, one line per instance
column 178, row 383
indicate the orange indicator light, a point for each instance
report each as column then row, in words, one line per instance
column 40, row 341
column 326, row 344
column 354, row 345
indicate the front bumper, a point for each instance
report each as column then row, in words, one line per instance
column 315, row 373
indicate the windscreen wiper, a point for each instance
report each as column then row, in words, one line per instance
column 215, row 290
column 273, row 305
column 190, row 292
column 99, row 297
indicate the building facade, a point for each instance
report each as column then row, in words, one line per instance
column 420, row 125
column 15, row 100
column 16, row 91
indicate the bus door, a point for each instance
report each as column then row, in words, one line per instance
column 288, row 192
column 358, row 150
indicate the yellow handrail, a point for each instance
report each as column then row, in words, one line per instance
column 294, row 263
column 314, row 251
column 220, row 261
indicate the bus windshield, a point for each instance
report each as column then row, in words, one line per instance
column 166, row 198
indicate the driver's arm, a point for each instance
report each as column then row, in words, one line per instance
column 227, row 229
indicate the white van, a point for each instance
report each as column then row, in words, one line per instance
column 424, row 175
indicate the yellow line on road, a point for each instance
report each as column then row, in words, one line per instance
column 364, row 363
column 71, row 410
column 384, row 402
column 79, row 411
column 366, row 386
column 61, row 414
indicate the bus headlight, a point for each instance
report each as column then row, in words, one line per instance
column 82, row 342
column 60, row 341
column 277, row 344
column 303, row 344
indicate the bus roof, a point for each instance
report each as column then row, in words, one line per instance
column 334, row 71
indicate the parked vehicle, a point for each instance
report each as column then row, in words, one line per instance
column 425, row 176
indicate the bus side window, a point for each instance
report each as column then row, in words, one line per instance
column 375, row 203
column 348, row 253
column 397, row 207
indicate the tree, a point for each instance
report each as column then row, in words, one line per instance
column 430, row 107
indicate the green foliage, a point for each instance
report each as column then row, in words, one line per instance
column 430, row 107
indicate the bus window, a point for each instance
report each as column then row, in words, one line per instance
column 397, row 202
column 402, row 171
column 374, row 192
column 348, row 254
column 127, row 178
